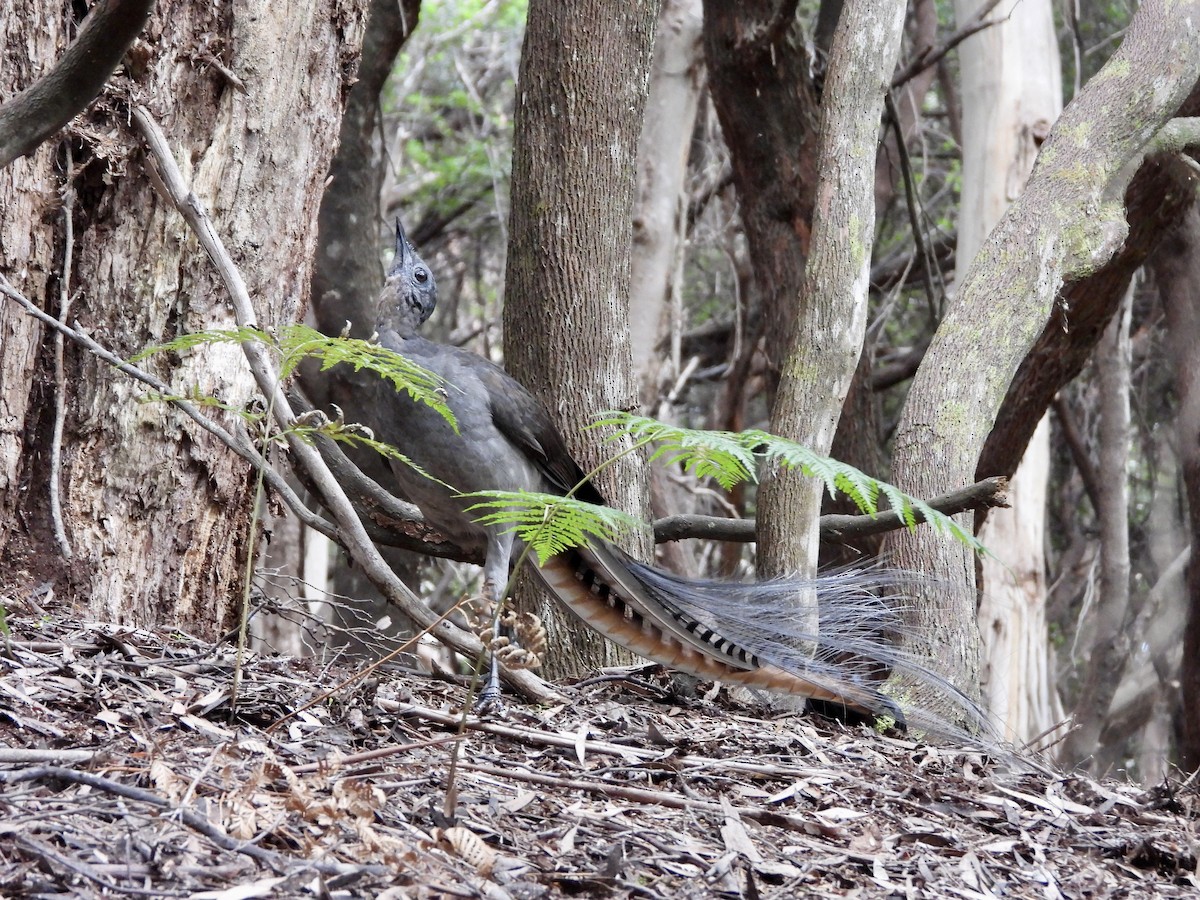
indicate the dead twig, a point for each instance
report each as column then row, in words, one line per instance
column 931, row 56
column 60, row 380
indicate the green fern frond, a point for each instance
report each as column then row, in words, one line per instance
column 900, row 502
column 861, row 488
column 354, row 435
column 720, row 455
column 186, row 342
column 730, row 458
column 299, row 342
column 548, row 523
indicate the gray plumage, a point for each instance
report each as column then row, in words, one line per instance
column 748, row 634
column 505, row 439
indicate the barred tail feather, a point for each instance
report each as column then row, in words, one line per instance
column 759, row 634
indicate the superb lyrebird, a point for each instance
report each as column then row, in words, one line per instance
column 503, row 439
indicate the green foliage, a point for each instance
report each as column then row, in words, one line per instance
column 296, row 343
column 353, row 435
column 720, row 455
column 453, row 96
column 730, row 458
column 549, row 523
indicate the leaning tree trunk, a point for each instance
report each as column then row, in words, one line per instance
column 1012, row 93
column 250, row 96
column 580, row 98
column 827, row 339
column 1067, row 223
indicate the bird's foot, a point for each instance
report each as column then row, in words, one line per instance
column 490, row 704
column 490, row 701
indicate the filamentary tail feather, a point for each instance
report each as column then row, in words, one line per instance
column 760, row 634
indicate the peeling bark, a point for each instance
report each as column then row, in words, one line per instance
column 158, row 513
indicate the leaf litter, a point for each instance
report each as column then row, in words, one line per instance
column 124, row 772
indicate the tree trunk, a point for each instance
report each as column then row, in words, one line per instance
column 580, row 98
column 347, row 276
column 1066, row 224
column 1157, row 198
column 156, row 513
column 660, row 217
column 1110, row 642
column 761, row 84
column 660, row 224
column 1177, row 272
column 1011, row 93
column 1019, row 687
column 827, row 339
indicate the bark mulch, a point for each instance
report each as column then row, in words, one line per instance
column 125, row 772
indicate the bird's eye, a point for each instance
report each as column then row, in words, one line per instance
column 421, row 275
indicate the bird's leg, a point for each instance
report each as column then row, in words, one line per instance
column 495, row 584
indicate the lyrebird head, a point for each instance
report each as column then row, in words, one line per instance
column 409, row 293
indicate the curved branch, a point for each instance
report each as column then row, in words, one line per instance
column 76, row 79
column 303, row 455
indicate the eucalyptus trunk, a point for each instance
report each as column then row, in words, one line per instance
column 827, row 338
column 156, row 514
column 580, row 98
column 1068, row 222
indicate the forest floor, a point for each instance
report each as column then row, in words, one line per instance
column 123, row 774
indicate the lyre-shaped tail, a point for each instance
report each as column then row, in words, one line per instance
column 670, row 620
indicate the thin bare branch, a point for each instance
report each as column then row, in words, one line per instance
column 305, row 457
column 931, row 56
column 991, row 492
column 60, row 380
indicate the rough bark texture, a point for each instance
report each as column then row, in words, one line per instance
column 76, row 79
column 759, row 75
column 31, row 38
column 828, row 336
column 580, row 99
column 1012, row 92
column 1177, row 273
column 1068, row 222
column 157, row 513
column 347, row 276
